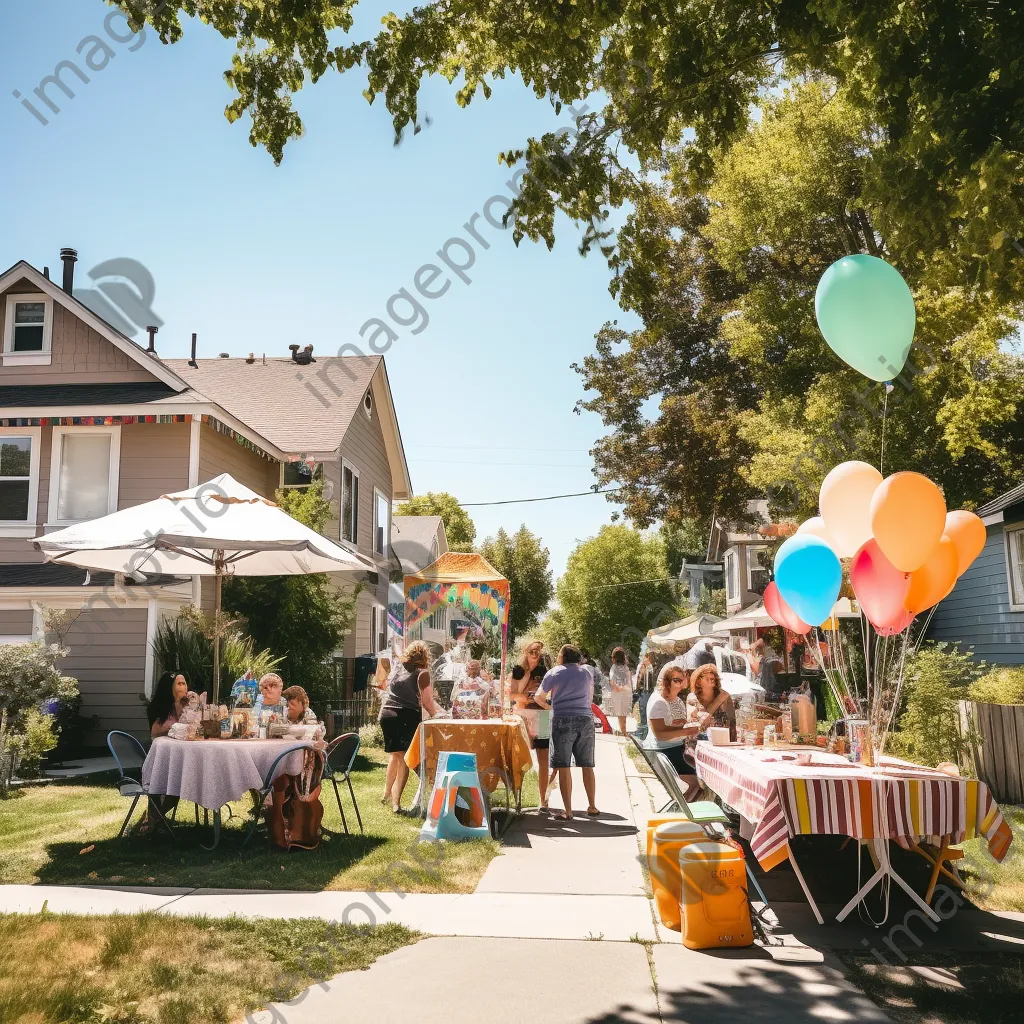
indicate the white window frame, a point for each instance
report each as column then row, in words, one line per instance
column 113, row 474
column 731, row 555
column 45, row 355
column 1014, row 570
column 318, row 468
column 384, row 528
column 368, row 410
column 378, row 627
column 28, row 528
column 752, row 563
column 354, row 543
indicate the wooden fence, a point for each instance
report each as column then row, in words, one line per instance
column 995, row 733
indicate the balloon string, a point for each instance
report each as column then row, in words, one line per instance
column 885, row 413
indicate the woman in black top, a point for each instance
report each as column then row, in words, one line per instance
column 400, row 715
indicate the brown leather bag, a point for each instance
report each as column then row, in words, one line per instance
column 296, row 813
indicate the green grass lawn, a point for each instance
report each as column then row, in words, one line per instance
column 67, row 834
column 161, row 969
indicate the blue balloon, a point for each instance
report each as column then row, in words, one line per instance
column 808, row 575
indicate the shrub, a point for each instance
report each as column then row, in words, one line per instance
column 371, row 736
column 1001, row 686
column 37, row 740
column 936, row 677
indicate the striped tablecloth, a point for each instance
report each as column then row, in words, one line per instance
column 832, row 797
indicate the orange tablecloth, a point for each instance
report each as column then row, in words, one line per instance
column 500, row 745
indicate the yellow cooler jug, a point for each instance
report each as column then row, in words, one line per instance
column 664, row 843
column 715, row 910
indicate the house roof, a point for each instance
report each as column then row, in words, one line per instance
column 50, row 574
column 137, row 393
column 1004, row 501
column 411, row 540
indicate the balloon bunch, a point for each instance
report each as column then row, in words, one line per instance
column 903, row 553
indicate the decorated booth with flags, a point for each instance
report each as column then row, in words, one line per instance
column 458, row 586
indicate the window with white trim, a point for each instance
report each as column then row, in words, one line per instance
column 28, row 326
column 299, row 475
column 1015, row 567
column 84, row 467
column 381, row 523
column 757, row 574
column 378, row 628
column 19, row 480
column 732, row 575
column 349, row 503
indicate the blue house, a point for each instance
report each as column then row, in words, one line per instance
column 986, row 608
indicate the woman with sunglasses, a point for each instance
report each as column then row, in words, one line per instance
column 524, row 681
column 668, row 729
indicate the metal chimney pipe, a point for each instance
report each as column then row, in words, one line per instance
column 69, row 257
column 192, row 361
column 152, row 339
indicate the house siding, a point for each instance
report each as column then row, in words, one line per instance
column 219, row 453
column 108, row 658
column 80, row 355
column 363, row 446
column 15, row 621
column 154, row 461
column 977, row 613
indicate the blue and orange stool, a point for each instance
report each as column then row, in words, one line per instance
column 458, row 807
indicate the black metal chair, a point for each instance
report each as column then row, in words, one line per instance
column 340, row 756
column 129, row 755
column 268, row 785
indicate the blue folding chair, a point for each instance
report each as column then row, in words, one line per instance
column 339, row 757
column 129, row 755
column 268, row 785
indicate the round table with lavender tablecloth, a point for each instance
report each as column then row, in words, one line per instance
column 212, row 773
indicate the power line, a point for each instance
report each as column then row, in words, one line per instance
column 525, row 465
column 550, row 497
column 494, row 448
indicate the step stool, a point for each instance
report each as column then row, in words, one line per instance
column 456, row 784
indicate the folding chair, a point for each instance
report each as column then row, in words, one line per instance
column 129, row 755
column 939, row 858
column 268, row 785
column 338, row 760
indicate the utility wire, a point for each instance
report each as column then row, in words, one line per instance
column 549, row 497
column 633, row 583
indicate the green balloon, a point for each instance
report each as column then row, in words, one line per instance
column 866, row 313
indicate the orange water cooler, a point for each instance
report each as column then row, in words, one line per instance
column 715, row 911
column 666, row 838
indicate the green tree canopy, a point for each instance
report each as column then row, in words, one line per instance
column 300, row 618
column 525, row 563
column 750, row 400
column 458, row 527
column 940, row 80
column 600, row 615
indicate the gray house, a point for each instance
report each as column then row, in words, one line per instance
column 986, row 608
column 91, row 422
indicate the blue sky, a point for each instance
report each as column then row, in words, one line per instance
column 143, row 164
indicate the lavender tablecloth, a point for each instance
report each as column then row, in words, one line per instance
column 212, row 773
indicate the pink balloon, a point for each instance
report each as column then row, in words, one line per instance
column 880, row 587
column 775, row 605
column 897, row 626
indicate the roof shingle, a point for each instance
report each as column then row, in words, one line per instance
column 298, row 408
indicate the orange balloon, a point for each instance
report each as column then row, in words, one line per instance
column 935, row 579
column 968, row 533
column 908, row 517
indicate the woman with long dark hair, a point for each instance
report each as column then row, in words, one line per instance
column 167, row 704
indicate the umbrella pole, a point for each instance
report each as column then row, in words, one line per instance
column 217, row 591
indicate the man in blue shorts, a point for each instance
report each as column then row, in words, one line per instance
column 567, row 690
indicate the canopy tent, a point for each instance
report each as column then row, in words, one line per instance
column 756, row 617
column 664, row 638
column 464, row 582
column 218, row 528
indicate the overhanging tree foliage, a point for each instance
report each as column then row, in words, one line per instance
column 458, row 527
column 942, row 81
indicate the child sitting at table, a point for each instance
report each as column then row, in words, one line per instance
column 271, row 697
column 299, row 711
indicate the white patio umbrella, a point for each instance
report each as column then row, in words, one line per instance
column 219, row 528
